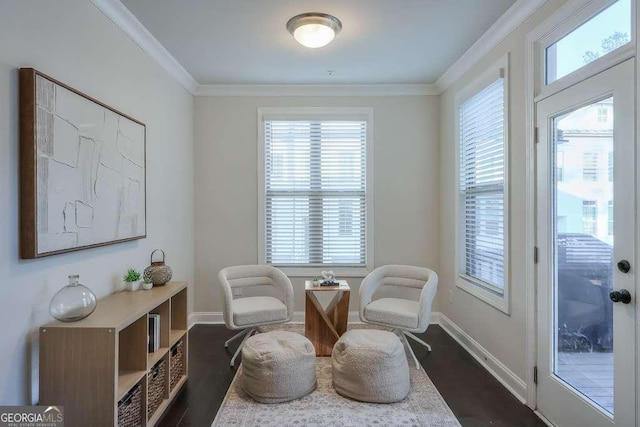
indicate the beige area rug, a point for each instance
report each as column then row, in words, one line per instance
column 324, row 407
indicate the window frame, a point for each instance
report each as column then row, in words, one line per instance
column 590, row 166
column 590, row 220
column 500, row 69
column 320, row 114
column 603, row 114
column 575, row 14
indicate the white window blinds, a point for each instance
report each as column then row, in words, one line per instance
column 590, row 166
column 315, row 191
column 482, row 167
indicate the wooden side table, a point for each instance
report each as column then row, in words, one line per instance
column 324, row 327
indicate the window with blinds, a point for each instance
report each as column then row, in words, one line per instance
column 589, row 217
column 590, row 166
column 482, row 188
column 315, row 193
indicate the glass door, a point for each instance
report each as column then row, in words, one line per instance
column 586, row 201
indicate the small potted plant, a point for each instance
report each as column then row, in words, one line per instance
column 132, row 279
column 147, row 284
column 315, row 281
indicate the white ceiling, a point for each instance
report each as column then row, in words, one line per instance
column 382, row 41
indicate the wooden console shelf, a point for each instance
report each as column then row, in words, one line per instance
column 90, row 365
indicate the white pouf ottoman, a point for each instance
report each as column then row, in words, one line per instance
column 278, row 366
column 371, row 366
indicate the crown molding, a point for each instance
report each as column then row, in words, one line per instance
column 132, row 27
column 138, row 33
column 515, row 16
column 317, row 90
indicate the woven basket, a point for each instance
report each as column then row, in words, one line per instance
column 176, row 367
column 130, row 408
column 157, row 377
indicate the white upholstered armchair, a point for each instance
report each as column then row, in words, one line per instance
column 271, row 301
column 399, row 297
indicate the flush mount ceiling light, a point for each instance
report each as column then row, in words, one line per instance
column 314, row 29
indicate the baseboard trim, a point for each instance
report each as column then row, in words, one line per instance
column 216, row 318
column 543, row 418
column 495, row 367
column 205, row 318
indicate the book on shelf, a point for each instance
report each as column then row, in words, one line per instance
column 154, row 332
column 151, row 335
column 157, row 333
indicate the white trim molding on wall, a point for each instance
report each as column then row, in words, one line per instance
column 509, row 21
column 317, row 90
column 499, row 370
column 138, row 33
column 118, row 13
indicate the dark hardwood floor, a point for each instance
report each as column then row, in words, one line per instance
column 474, row 396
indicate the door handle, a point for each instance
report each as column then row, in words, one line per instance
column 622, row 296
column 624, row 266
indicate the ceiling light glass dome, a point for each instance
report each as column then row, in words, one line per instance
column 314, row 29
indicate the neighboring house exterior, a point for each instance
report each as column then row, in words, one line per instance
column 584, row 171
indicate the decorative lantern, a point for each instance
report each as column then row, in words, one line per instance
column 158, row 272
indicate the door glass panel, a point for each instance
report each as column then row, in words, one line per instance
column 604, row 33
column 583, row 224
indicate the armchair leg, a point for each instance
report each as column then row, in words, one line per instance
column 249, row 332
column 403, row 338
column 236, row 336
column 418, row 340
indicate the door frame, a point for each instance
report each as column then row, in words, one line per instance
column 562, row 17
column 613, row 83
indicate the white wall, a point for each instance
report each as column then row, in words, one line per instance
column 502, row 335
column 226, row 206
column 73, row 42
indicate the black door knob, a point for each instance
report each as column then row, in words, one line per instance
column 622, row 296
column 624, row 266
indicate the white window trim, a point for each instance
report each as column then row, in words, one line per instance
column 319, row 113
column 571, row 16
column 470, row 285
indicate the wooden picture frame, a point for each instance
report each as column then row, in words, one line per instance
column 82, row 170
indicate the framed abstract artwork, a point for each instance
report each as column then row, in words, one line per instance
column 82, row 170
